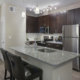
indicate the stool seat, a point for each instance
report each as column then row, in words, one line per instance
column 22, row 70
column 27, row 72
column 35, row 71
column 7, row 65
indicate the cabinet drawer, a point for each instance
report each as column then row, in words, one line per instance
column 56, row 46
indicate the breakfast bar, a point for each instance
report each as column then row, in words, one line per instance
column 56, row 64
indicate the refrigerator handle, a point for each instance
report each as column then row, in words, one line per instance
column 63, row 31
column 63, row 42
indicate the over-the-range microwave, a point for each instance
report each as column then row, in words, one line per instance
column 44, row 29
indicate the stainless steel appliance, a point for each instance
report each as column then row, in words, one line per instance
column 44, row 29
column 71, row 38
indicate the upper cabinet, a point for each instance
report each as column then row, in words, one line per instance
column 32, row 24
column 53, row 21
column 77, row 16
column 56, row 22
column 60, row 21
column 71, row 17
column 43, row 21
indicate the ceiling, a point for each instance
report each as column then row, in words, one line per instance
column 43, row 3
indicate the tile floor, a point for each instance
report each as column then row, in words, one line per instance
column 75, row 75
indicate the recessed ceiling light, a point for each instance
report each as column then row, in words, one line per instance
column 55, row 8
column 50, row 8
column 43, row 10
column 30, row 9
column 37, row 10
column 47, row 9
column 64, row 11
column 55, row 4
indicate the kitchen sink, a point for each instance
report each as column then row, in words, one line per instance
column 46, row 50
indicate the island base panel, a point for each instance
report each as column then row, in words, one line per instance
column 62, row 72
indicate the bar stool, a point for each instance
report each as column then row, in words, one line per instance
column 7, row 65
column 21, row 71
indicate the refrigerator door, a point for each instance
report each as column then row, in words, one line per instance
column 72, row 45
column 71, row 30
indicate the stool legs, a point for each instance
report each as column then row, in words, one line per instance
column 40, row 78
column 13, row 78
column 5, row 74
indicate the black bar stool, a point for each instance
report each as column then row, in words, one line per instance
column 21, row 71
column 7, row 65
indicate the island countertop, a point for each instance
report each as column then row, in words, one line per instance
column 56, row 58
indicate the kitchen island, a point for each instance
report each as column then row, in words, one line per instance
column 56, row 64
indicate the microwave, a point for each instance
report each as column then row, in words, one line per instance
column 44, row 29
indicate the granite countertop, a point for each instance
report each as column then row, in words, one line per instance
column 56, row 58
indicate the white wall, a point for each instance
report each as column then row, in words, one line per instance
column 0, row 26
column 15, row 26
column 0, row 32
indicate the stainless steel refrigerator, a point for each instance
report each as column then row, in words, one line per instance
column 71, row 38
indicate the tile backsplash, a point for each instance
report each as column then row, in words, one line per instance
column 40, row 36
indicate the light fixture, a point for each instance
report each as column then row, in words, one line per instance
column 36, row 10
column 63, row 11
column 43, row 10
column 50, row 8
column 30, row 9
column 23, row 14
column 47, row 9
column 55, row 8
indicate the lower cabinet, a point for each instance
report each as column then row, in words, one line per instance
column 52, row 45
column 56, row 46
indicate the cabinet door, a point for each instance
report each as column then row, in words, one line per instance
column 31, row 24
column 56, row 22
column 52, row 23
column 56, row 46
column 61, row 19
column 46, row 20
column 70, row 17
column 40, row 22
column 77, row 16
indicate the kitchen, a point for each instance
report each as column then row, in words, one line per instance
column 56, row 35
column 44, row 32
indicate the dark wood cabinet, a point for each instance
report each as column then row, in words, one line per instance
column 55, row 46
column 56, row 22
column 77, row 16
column 70, row 17
column 43, row 21
column 53, row 21
column 60, row 21
column 51, row 45
column 32, row 24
